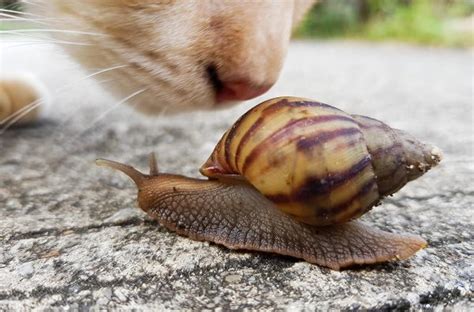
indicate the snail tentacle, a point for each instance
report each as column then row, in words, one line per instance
column 131, row 172
column 153, row 165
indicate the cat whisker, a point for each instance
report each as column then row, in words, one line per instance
column 73, row 112
column 12, row 17
column 163, row 111
column 30, row 107
column 32, row 3
column 63, row 31
column 39, row 42
column 103, row 114
column 40, row 21
column 11, row 5
column 58, row 135
column 13, row 118
column 15, row 13
column 15, row 17
column 41, row 39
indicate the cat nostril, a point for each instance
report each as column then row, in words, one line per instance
column 239, row 91
column 214, row 78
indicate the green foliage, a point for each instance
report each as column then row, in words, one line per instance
column 329, row 19
column 418, row 21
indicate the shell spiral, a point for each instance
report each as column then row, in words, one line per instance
column 316, row 162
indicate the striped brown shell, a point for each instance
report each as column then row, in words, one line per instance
column 316, row 162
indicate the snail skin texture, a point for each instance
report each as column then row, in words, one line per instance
column 289, row 177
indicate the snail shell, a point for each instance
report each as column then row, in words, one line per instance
column 316, row 162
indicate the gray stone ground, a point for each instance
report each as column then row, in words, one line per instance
column 71, row 235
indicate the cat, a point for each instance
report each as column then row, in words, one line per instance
column 183, row 55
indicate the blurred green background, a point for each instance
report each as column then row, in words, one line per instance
column 431, row 22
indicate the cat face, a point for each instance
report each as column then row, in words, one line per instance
column 185, row 54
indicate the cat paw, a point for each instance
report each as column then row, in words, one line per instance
column 20, row 100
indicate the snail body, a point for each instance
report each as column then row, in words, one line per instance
column 288, row 177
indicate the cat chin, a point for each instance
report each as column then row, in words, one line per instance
column 163, row 106
column 155, row 102
column 147, row 95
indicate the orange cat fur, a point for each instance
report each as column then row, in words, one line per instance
column 186, row 54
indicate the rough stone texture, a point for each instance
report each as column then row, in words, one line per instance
column 71, row 236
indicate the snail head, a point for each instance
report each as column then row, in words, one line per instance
column 147, row 184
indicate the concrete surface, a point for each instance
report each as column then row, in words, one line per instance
column 71, row 236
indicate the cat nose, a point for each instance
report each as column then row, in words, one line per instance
column 239, row 91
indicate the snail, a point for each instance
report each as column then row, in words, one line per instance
column 289, row 177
